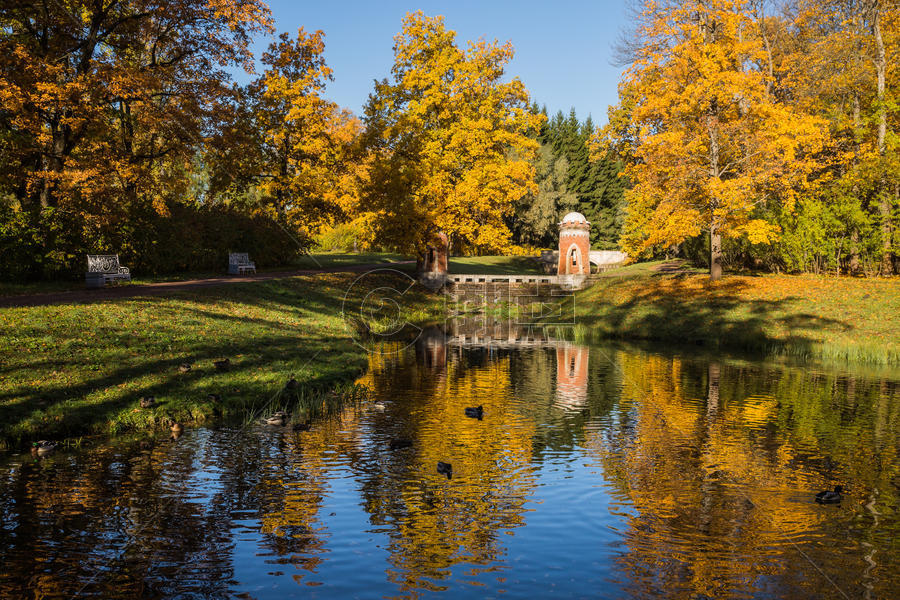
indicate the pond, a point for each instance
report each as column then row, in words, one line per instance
column 593, row 472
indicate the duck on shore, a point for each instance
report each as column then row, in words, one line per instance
column 830, row 497
column 184, row 367
column 276, row 420
column 222, row 365
column 148, row 401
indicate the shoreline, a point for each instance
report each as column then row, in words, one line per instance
column 81, row 369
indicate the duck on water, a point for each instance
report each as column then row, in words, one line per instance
column 830, row 497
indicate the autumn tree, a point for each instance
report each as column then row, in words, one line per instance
column 281, row 138
column 837, row 66
column 448, row 140
column 710, row 142
column 99, row 95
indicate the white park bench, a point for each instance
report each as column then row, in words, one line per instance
column 103, row 268
column 239, row 263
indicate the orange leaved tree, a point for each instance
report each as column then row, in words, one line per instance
column 107, row 100
column 709, row 142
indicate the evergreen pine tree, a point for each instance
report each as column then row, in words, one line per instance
column 592, row 187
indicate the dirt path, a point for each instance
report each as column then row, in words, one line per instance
column 161, row 289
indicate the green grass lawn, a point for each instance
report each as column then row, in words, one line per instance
column 332, row 260
column 69, row 370
column 493, row 265
column 309, row 261
column 839, row 318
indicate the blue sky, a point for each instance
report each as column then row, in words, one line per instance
column 563, row 47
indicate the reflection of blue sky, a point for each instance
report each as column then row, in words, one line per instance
column 570, row 539
column 353, row 556
column 204, row 478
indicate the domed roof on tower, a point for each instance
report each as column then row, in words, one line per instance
column 574, row 218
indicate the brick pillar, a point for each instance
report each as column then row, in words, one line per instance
column 436, row 255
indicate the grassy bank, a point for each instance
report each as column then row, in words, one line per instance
column 70, row 370
column 832, row 318
column 494, row 265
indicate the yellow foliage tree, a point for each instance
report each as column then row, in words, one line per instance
column 708, row 140
column 841, row 67
column 300, row 149
column 102, row 99
column 449, row 142
column 283, row 145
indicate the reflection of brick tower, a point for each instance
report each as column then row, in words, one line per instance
column 571, row 376
column 431, row 348
column 574, row 245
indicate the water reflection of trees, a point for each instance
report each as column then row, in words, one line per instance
column 710, row 465
column 106, row 525
column 435, row 523
column 717, row 480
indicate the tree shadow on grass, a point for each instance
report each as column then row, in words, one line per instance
column 97, row 402
column 265, row 348
column 719, row 316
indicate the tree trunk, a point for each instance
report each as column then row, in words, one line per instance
column 715, row 236
column 760, row 13
column 715, row 254
column 884, row 204
column 853, row 267
column 45, row 192
column 420, row 263
column 52, row 164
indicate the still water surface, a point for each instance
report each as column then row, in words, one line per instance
column 595, row 472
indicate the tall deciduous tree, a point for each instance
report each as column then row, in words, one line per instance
column 836, row 64
column 287, row 144
column 99, row 94
column 450, row 142
column 711, row 143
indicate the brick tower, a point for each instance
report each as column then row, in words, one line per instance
column 574, row 245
